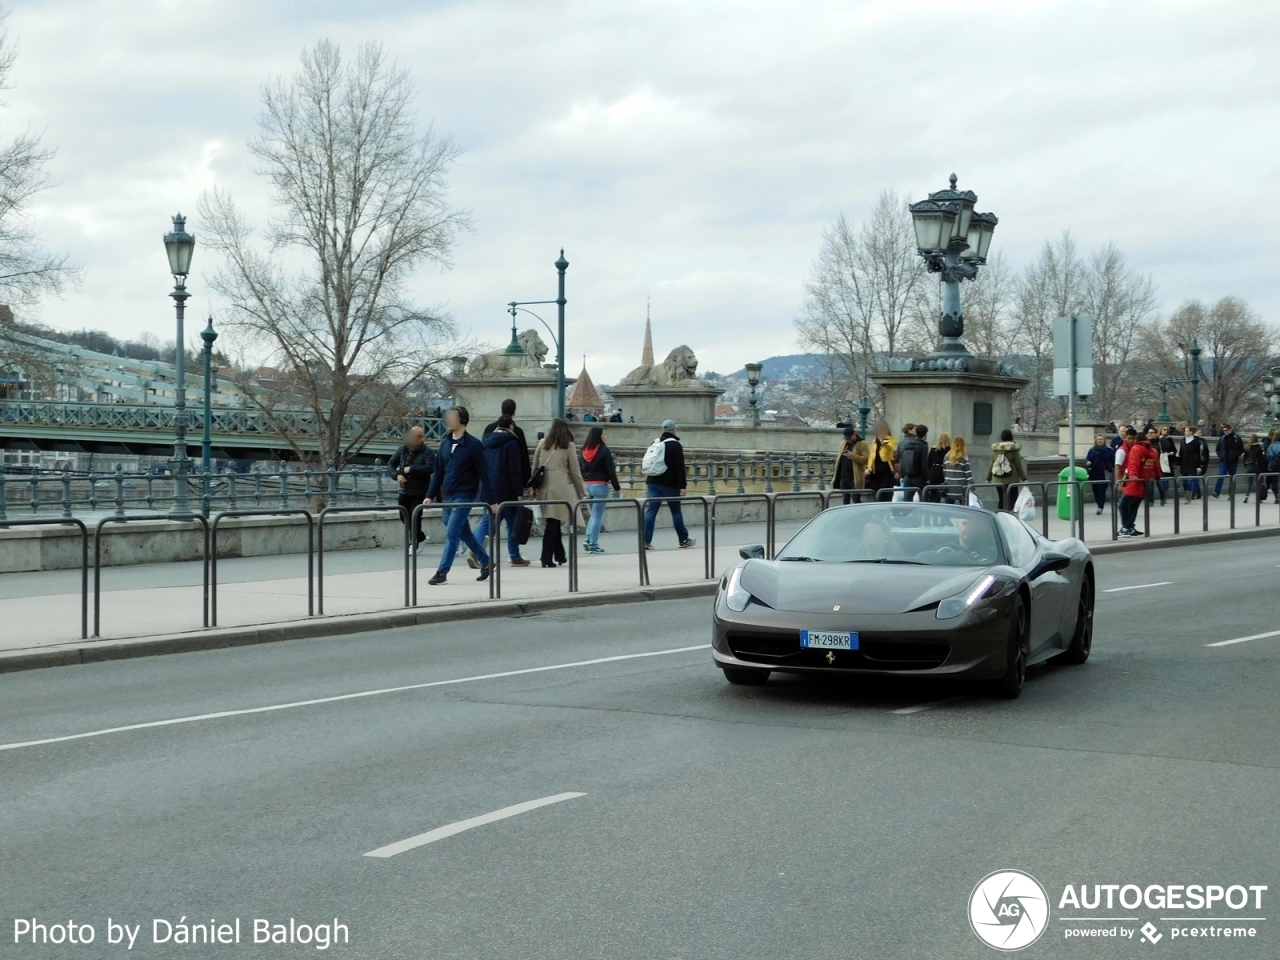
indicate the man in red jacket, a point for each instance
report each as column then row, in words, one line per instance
column 1141, row 465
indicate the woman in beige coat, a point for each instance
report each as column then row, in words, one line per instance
column 563, row 481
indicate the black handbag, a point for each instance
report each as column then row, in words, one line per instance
column 538, row 478
column 524, row 525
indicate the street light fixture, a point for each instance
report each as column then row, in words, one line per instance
column 753, row 378
column 953, row 240
column 180, row 245
column 514, row 347
column 208, row 335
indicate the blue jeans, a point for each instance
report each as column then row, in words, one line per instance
column 599, row 493
column 509, row 515
column 458, row 529
column 657, row 497
column 1224, row 469
column 1191, row 483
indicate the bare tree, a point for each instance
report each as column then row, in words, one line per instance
column 1121, row 302
column 1236, row 345
column 360, row 195
column 863, row 296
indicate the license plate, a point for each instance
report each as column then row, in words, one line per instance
column 825, row 640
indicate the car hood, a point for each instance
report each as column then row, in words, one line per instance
column 855, row 587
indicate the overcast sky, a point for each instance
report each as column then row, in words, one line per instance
column 691, row 152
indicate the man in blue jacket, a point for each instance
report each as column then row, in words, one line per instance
column 508, row 473
column 461, row 476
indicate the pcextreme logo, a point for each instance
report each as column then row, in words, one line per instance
column 1008, row 910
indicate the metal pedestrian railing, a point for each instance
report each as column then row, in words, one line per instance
column 611, row 502
column 97, row 565
column 415, row 518
column 706, row 523
column 84, row 561
column 404, row 517
column 764, row 498
column 571, row 553
column 212, row 552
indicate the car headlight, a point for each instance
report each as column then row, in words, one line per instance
column 954, row 606
column 736, row 596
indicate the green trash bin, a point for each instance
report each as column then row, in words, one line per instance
column 1066, row 491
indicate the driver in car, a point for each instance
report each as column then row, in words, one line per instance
column 876, row 544
column 975, row 541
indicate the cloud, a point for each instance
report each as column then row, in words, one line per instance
column 687, row 152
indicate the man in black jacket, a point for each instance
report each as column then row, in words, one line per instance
column 509, row 410
column 461, row 476
column 913, row 461
column 502, row 454
column 1194, row 460
column 663, row 487
column 1230, row 449
column 411, row 467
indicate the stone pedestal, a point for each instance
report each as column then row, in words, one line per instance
column 534, row 392
column 692, row 402
column 1086, row 431
column 976, row 406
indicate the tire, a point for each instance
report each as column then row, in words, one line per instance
column 1082, row 639
column 1009, row 686
column 745, row 677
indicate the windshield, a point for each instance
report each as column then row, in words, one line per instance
column 923, row 533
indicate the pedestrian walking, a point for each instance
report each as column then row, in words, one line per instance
column 1194, row 460
column 1100, row 464
column 1273, row 464
column 957, row 472
column 461, row 476
column 937, row 474
column 883, row 455
column 1007, row 469
column 664, row 481
column 411, row 467
column 1161, row 485
column 599, row 474
column 1255, row 463
column 558, row 455
column 509, row 410
column 1141, row 468
column 851, row 463
column 503, row 457
column 1230, row 449
column 913, row 460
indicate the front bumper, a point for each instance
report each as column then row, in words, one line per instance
column 973, row 645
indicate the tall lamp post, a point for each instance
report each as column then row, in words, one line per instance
column 953, row 240
column 179, row 245
column 208, row 335
column 514, row 347
column 753, row 378
column 1193, row 378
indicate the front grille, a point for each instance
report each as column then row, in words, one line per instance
column 783, row 651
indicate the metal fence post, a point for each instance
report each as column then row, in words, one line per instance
column 795, row 472
column 711, row 477
column 741, row 488
column 768, row 472
column 3, row 481
column 66, row 491
column 119, row 478
column 379, row 498
column 283, row 474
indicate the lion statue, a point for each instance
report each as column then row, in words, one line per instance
column 499, row 361
column 681, row 364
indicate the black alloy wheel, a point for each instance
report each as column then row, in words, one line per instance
column 1082, row 639
column 1009, row 686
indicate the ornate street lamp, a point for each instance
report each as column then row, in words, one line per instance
column 208, row 335
column 514, row 347
column 179, row 245
column 864, row 411
column 953, row 240
column 753, row 378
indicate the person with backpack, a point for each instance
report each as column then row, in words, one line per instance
column 913, row 461
column 937, row 475
column 503, row 453
column 1141, row 467
column 1230, row 449
column 957, row 472
column 1194, row 460
column 665, row 481
column 461, row 476
column 599, row 473
column 883, row 455
column 1100, row 464
column 1007, row 469
column 411, row 467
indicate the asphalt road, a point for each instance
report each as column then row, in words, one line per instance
column 798, row 820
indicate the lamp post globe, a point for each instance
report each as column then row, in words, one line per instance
column 753, row 379
column 179, row 246
column 953, row 239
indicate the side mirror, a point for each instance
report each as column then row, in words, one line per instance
column 752, row 551
column 1050, row 563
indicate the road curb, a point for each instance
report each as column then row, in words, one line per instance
column 96, row 651
column 1184, row 540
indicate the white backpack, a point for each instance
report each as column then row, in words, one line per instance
column 1001, row 467
column 654, row 463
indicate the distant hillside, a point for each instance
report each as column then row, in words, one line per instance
column 795, row 366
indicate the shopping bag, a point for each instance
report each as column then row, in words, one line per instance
column 974, row 501
column 1025, row 508
column 899, row 495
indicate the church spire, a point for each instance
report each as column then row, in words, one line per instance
column 646, row 355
